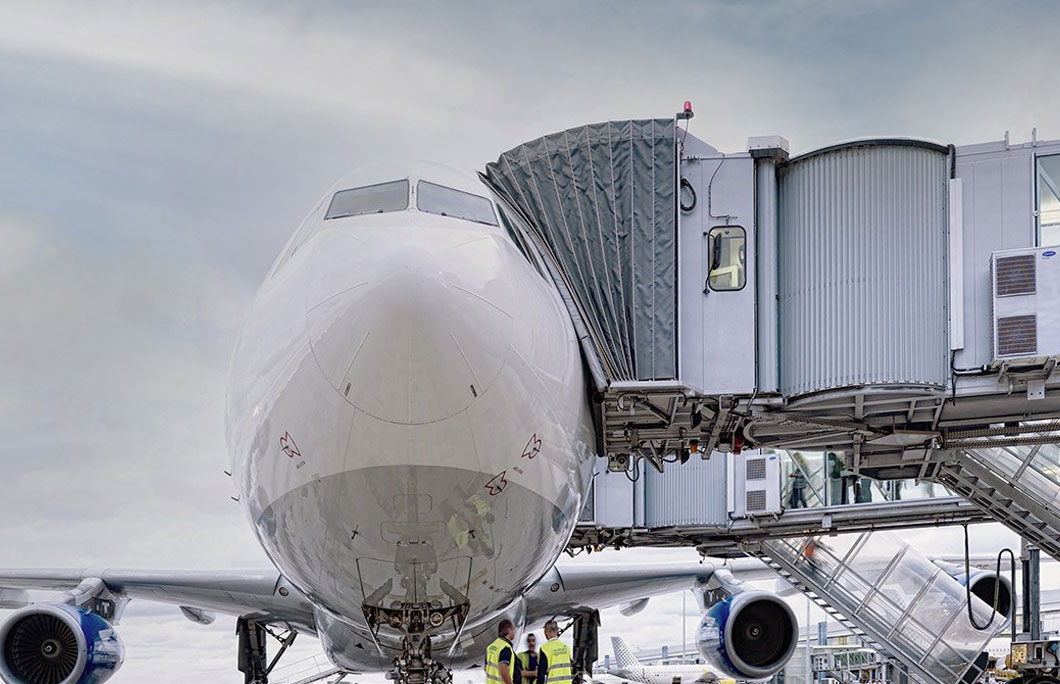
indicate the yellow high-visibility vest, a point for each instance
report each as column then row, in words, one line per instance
column 493, row 660
column 557, row 655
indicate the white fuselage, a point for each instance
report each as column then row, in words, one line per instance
column 409, row 426
column 667, row 674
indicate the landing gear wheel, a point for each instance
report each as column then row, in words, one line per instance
column 440, row 674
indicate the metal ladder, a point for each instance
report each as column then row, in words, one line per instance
column 812, row 590
column 847, row 598
column 1005, row 483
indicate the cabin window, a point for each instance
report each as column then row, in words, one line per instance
column 726, row 258
column 1049, row 200
column 438, row 199
column 371, row 199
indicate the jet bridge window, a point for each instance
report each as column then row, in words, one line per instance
column 726, row 258
column 371, row 199
column 1049, row 200
column 438, row 199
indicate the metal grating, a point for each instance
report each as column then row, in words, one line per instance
column 756, row 469
column 1017, row 335
column 756, row 500
column 1016, row 275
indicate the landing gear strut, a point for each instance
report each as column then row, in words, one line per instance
column 415, row 665
column 253, row 662
column 418, row 621
column 586, row 645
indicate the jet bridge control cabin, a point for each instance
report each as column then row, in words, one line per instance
column 880, row 296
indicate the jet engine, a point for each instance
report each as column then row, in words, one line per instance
column 983, row 584
column 749, row 635
column 58, row 644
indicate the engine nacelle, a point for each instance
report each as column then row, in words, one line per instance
column 53, row 643
column 750, row 635
column 983, row 584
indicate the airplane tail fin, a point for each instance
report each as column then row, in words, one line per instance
column 624, row 658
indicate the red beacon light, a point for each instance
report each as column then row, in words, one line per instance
column 686, row 112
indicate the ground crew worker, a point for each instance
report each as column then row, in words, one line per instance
column 553, row 662
column 528, row 660
column 500, row 656
column 798, row 490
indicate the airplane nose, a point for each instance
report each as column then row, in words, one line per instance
column 408, row 331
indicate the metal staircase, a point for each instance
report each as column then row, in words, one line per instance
column 1018, row 486
column 875, row 588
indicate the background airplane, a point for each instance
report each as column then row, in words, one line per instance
column 627, row 667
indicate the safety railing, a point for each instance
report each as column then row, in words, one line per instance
column 917, row 612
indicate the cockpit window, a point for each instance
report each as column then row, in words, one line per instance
column 438, row 199
column 371, row 199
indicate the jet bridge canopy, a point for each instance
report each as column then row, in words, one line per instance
column 600, row 200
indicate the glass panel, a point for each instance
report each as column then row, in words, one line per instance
column 371, row 199
column 437, row 199
column 898, row 596
column 1049, row 200
column 727, row 256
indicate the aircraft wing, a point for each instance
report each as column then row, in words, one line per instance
column 576, row 589
column 264, row 596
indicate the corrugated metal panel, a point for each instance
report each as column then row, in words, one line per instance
column 862, row 264
column 689, row 494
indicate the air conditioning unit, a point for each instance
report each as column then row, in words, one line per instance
column 754, row 484
column 1025, row 285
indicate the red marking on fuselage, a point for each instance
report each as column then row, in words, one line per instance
column 498, row 483
column 533, row 447
column 289, row 447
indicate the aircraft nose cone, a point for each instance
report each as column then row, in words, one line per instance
column 408, row 331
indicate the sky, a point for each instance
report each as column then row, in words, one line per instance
column 155, row 156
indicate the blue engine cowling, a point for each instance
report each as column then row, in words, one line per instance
column 985, row 584
column 53, row 643
column 750, row 635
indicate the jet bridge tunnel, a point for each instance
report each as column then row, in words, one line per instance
column 868, row 297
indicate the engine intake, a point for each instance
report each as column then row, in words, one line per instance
column 984, row 584
column 751, row 635
column 58, row 644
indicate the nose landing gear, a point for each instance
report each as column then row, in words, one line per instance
column 418, row 621
column 415, row 665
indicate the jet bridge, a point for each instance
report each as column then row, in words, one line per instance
column 869, row 297
column 891, row 300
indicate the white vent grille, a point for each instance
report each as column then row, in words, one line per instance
column 1015, row 275
column 756, row 500
column 1017, row 336
column 1025, row 313
column 756, row 469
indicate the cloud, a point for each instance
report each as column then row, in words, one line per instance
column 157, row 155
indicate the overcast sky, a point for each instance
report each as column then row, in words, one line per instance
column 154, row 156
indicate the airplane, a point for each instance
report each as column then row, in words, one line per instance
column 410, row 433
column 629, row 668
